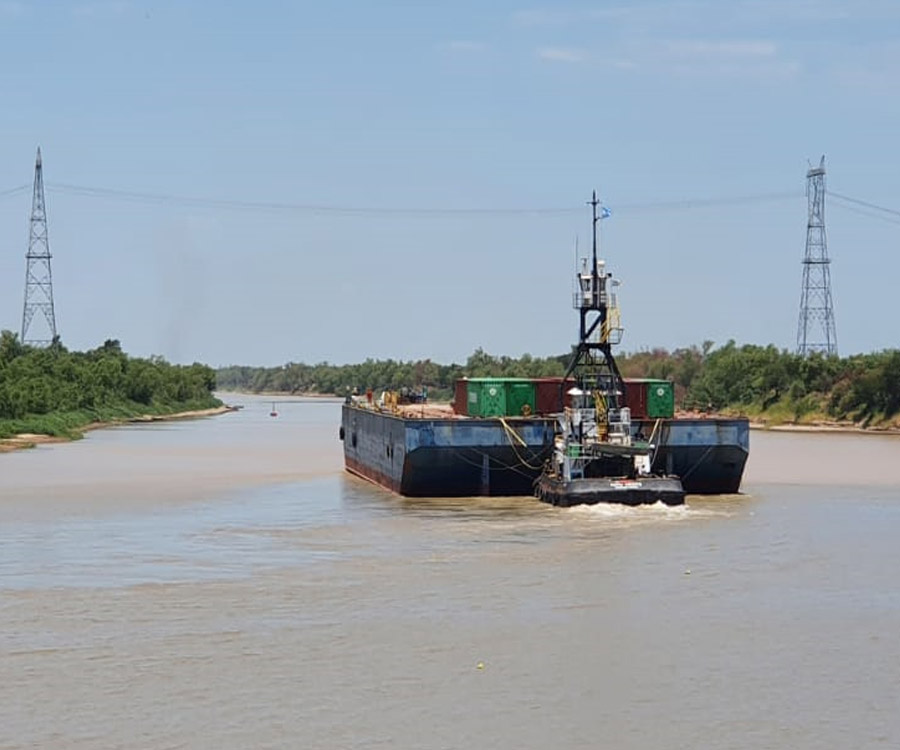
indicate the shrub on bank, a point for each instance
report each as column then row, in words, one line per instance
column 52, row 391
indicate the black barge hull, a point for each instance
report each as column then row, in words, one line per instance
column 425, row 457
column 708, row 455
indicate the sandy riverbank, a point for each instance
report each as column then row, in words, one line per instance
column 30, row 440
column 818, row 426
column 838, row 427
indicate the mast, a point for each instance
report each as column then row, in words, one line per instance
column 594, row 203
column 592, row 362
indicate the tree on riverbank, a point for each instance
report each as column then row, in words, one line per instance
column 380, row 374
column 760, row 381
column 54, row 391
column 787, row 387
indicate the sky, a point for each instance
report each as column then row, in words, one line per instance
column 258, row 183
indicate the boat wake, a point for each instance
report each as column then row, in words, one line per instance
column 655, row 512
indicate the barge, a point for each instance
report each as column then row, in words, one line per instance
column 443, row 454
column 516, row 436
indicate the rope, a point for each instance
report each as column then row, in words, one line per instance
column 655, row 446
column 511, row 433
column 491, row 460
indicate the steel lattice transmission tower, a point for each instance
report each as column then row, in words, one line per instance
column 816, row 332
column 38, row 278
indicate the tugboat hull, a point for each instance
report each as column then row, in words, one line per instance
column 594, row 490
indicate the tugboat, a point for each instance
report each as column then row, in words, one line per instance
column 595, row 459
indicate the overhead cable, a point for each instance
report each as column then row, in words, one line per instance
column 325, row 209
column 689, row 203
column 859, row 202
column 435, row 212
column 308, row 208
column 865, row 212
column 13, row 191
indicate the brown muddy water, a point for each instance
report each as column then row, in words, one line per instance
column 223, row 584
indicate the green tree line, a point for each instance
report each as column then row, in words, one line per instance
column 783, row 386
column 760, row 381
column 55, row 391
column 388, row 374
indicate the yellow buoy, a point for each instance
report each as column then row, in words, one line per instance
column 480, row 665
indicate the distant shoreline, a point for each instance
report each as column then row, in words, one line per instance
column 279, row 394
column 837, row 427
column 30, row 439
column 755, row 423
column 812, row 427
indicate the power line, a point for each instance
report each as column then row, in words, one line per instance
column 690, row 203
column 866, row 204
column 308, row 208
column 13, row 191
column 433, row 212
column 863, row 212
column 326, row 209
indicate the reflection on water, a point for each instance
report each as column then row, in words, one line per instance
column 224, row 584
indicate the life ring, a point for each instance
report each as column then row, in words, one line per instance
column 526, row 410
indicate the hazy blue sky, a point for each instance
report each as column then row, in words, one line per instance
column 415, row 105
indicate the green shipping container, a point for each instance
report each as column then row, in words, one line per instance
column 660, row 399
column 487, row 398
column 520, row 398
column 472, row 399
column 500, row 397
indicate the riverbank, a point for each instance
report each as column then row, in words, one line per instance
column 818, row 424
column 277, row 395
column 31, row 439
column 841, row 427
column 439, row 409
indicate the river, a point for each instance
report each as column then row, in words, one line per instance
column 222, row 583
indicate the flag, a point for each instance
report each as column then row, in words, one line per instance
column 605, row 213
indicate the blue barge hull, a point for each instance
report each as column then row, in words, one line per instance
column 708, row 455
column 423, row 457
column 434, row 457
